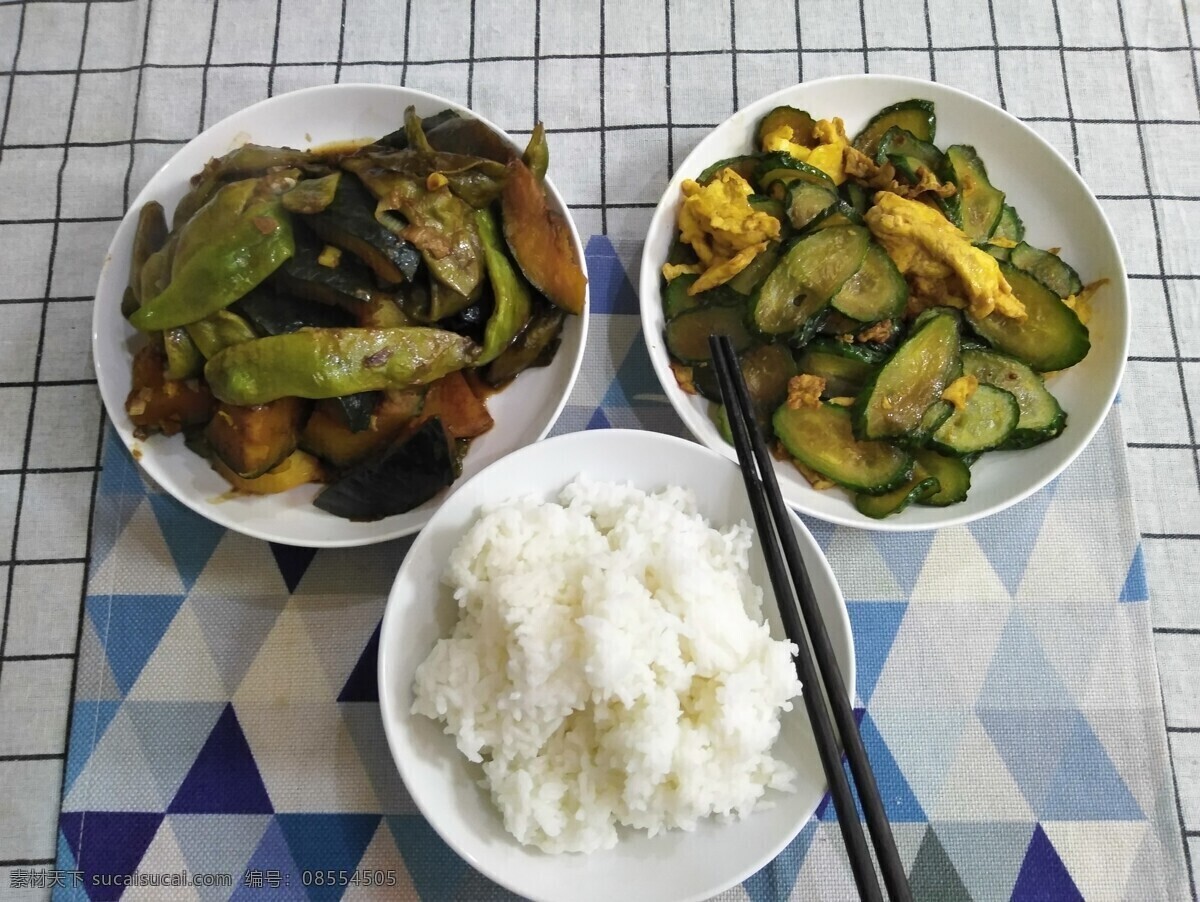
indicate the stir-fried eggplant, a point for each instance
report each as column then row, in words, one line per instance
column 395, row 284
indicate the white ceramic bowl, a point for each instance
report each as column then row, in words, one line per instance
column 672, row 866
column 1058, row 211
column 524, row 413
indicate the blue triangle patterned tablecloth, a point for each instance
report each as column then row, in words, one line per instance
column 225, row 719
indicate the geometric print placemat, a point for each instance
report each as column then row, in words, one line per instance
column 225, row 723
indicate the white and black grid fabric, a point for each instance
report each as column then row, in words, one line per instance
column 97, row 94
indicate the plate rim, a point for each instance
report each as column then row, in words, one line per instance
column 114, row 407
column 648, row 287
column 392, row 710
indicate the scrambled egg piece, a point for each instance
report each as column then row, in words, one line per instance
column 804, row 391
column 435, row 181
column 1082, row 303
column 683, row 375
column 960, row 391
column 725, row 231
column 672, row 271
column 880, row 331
column 828, row 155
column 938, row 259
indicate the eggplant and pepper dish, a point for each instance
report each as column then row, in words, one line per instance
column 891, row 321
column 340, row 316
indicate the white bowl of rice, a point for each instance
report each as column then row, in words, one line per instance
column 577, row 683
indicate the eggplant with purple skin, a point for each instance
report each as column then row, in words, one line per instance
column 349, row 223
column 404, row 476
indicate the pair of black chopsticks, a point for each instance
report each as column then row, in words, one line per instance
column 773, row 523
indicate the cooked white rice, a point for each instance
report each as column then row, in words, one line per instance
column 609, row 666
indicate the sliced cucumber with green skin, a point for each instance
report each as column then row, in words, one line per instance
column 676, row 299
column 759, row 268
column 855, row 196
column 681, row 252
column 762, row 203
column 1049, row 269
column 839, row 324
column 846, row 368
column 935, row 416
column 876, row 292
column 807, row 200
column 720, row 418
column 743, row 165
column 839, row 214
column 918, row 487
column 781, row 166
column 976, row 206
column 999, row 252
column 808, row 274
column 907, row 153
column 914, row 116
column 1041, row 416
column 953, row 476
column 767, row 369
column 983, row 424
column 1010, row 226
column 1051, row 337
column 894, row 404
column 688, row 333
column 800, row 122
column 822, row 438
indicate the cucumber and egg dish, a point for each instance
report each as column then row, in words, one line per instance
column 891, row 322
column 341, row 315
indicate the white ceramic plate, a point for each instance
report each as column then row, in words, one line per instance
column 672, row 866
column 1058, row 211
column 524, row 413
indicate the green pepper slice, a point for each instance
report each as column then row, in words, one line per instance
column 513, row 303
column 329, row 363
column 231, row 245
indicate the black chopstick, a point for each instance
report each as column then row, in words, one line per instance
column 772, row 521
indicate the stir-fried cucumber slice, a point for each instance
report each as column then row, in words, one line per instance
column 823, row 438
column 976, row 206
column 676, row 299
column 914, row 116
column 846, row 368
column 918, row 487
column 688, row 333
column 783, row 167
column 1051, row 337
column 839, row 214
column 855, row 196
column 806, row 277
column 876, row 292
column 908, row 153
column 895, row 403
column 953, row 476
column 984, row 423
column 745, row 282
column 744, row 166
column 1049, row 269
column 808, row 200
column 800, row 122
column 1041, row 416
column 767, row 369
column 1009, row 227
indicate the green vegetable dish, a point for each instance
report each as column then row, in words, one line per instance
column 340, row 315
column 891, row 321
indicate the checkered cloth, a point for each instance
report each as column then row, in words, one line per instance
column 223, row 716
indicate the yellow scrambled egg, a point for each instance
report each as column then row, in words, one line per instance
column 828, row 155
column 805, row 391
column 1082, row 303
column 938, row 259
column 725, row 231
column 960, row 391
